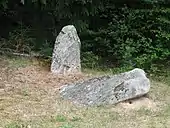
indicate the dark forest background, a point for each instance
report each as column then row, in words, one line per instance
column 114, row 33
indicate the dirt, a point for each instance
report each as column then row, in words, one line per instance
column 139, row 103
column 24, row 90
column 34, row 77
column 41, row 79
column 31, row 94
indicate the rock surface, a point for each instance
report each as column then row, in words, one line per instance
column 108, row 89
column 66, row 53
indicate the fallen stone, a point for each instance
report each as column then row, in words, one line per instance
column 66, row 53
column 107, row 89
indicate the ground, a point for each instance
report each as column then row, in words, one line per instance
column 29, row 98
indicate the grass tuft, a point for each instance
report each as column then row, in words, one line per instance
column 76, row 119
column 66, row 126
column 15, row 125
column 60, row 118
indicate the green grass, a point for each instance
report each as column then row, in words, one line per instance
column 66, row 126
column 17, row 62
column 75, row 118
column 15, row 125
column 61, row 118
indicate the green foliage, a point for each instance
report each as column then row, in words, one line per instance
column 46, row 50
column 135, row 37
column 161, row 72
column 18, row 41
column 126, row 33
column 89, row 60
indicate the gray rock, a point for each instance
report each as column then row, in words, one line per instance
column 107, row 89
column 66, row 53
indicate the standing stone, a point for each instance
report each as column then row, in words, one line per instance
column 66, row 53
column 108, row 89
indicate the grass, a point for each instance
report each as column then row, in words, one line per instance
column 13, row 125
column 18, row 62
column 30, row 99
column 60, row 118
column 76, row 119
column 16, row 125
column 102, row 71
column 66, row 126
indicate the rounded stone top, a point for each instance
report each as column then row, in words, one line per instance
column 68, row 28
column 138, row 72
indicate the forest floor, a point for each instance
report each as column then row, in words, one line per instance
column 29, row 98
